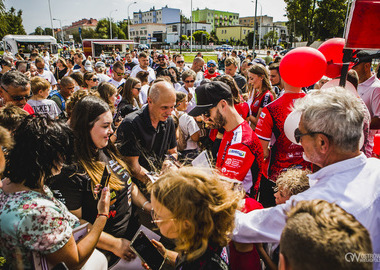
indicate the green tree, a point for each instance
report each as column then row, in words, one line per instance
column 213, row 37
column 184, row 37
column 38, row 31
column 301, row 13
column 270, row 37
column 198, row 36
column 10, row 22
column 103, row 30
column 329, row 19
column 48, row 31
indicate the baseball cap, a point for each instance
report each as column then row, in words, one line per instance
column 88, row 66
column 208, row 96
column 364, row 57
column 259, row 61
column 210, row 62
column 100, row 64
column 161, row 56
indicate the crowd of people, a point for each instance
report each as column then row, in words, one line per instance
column 268, row 200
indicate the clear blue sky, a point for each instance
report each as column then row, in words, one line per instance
column 36, row 12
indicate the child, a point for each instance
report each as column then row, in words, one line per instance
column 39, row 102
column 289, row 183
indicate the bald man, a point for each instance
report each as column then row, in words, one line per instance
column 147, row 137
column 197, row 67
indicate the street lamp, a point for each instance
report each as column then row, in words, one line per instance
column 129, row 36
column 254, row 30
column 261, row 22
column 111, row 23
column 191, row 27
column 60, row 24
column 51, row 20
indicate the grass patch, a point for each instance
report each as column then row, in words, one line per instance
column 189, row 57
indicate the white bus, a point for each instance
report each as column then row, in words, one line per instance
column 27, row 43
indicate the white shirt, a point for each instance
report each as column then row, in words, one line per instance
column 369, row 91
column 354, row 184
column 45, row 107
column 116, row 83
column 137, row 69
column 189, row 126
column 103, row 77
column 49, row 76
column 143, row 95
column 192, row 102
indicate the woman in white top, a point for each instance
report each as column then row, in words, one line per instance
column 187, row 129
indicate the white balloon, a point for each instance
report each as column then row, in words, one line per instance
column 290, row 125
column 349, row 86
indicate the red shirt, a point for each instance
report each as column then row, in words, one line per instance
column 243, row 109
column 209, row 76
column 260, row 102
column 284, row 153
column 241, row 157
column 28, row 109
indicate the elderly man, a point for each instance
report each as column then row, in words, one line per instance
column 329, row 130
column 15, row 89
column 147, row 137
column 197, row 67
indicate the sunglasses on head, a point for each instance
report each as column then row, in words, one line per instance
column 17, row 98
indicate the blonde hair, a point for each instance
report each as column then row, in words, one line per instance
column 38, row 83
column 107, row 90
column 292, row 182
column 201, row 198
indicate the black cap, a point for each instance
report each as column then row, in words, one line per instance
column 364, row 57
column 208, row 96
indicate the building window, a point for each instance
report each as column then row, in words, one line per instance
column 145, row 32
column 244, row 32
column 141, row 32
column 175, row 28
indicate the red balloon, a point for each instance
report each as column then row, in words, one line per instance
column 332, row 49
column 303, row 66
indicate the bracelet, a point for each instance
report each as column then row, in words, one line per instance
column 142, row 207
column 104, row 215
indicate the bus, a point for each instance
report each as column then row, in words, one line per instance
column 27, row 43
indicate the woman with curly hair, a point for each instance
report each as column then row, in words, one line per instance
column 197, row 210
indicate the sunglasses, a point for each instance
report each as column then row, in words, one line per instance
column 190, row 81
column 180, row 62
column 17, row 98
column 161, row 59
column 298, row 134
column 40, row 68
column 138, row 88
column 211, row 66
column 95, row 79
column 119, row 74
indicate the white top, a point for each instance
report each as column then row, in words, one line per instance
column 192, row 102
column 143, row 95
column 103, row 77
column 137, row 69
column 116, row 83
column 369, row 91
column 354, row 184
column 188, row 126
column 49, row 76
column 135, row 60
column 45, row 107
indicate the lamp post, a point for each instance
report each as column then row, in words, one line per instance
column 191, row 27
column 60, row 24
column 254, row 29
column 261, row 23
column 129, row 36
column 51, row 20
column 111, row 23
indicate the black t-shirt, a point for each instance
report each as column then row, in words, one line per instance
column 125, row 108
column 73, row 187
column 59, row 74
column 129, row 66
column 241, row 82
column 214, row 258
column 137, row 137
column 159, row 69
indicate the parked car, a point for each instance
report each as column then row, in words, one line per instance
column 225, row 47
column 283, row 52
column 143, row 47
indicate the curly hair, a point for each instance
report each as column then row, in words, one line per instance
column 11, row 116
column 292, row 181
column 41, row 146
column 202, row 199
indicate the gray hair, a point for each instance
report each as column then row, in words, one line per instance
column 16, row 79
column 188, row 73
column 156, row 89
column 336, row 112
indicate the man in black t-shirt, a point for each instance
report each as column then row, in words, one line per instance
column 147, row 136
column 162, row 64
column 129, row 64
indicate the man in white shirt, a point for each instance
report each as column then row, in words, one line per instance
column 46, row 74
column 118, row 72
column 144, row 66
column 100, row 68
column 329, row 133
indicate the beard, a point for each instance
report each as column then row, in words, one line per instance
column 219, row 121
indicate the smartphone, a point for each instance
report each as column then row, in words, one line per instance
column 147, row 251
column 106, row 176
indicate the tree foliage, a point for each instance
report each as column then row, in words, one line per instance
column 316, row 19
column 198, row 36
column 10, row 22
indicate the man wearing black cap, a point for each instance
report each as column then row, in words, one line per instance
column 240, row 153
column 162, row 64
column 369, row 88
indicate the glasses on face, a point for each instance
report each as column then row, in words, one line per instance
column 180, row 62
column 155, row 220
column 138, row 88
column 211, row 65
column 40, row 68
column 298, row 134
column 161, row 59
column 191, row 81
column 119, row 74
column 95, row 79
column 17, row 98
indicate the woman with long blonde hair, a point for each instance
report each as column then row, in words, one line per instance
column 261, row 93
